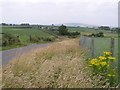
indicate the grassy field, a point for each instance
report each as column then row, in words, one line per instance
column 86, row 31
column 24, row 34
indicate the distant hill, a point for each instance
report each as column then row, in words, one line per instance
column 77, row 25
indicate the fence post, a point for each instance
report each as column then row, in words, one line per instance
column 112, row 46
column 17, row 39
column 92, row 47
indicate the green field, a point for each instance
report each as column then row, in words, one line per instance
column 86, row 31
column 24, row 34
column 101, row 45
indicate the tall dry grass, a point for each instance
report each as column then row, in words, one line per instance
column 60, row 65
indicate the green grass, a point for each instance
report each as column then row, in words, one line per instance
column 24, row 34
column 86, row 31
column 101, row 45
column 12, row 46
column 24, row 31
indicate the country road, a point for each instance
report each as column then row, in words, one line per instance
column 11, row 54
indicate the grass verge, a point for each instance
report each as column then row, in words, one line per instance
column 60, row 65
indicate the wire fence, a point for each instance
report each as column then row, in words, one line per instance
column 97, row 45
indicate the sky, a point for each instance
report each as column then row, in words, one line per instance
column 93, row 12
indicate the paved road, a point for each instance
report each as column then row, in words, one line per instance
column 11, row 54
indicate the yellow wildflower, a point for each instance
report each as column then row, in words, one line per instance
column 103, row 64
column 107, row 53
column 102, row 58
column 94, row 62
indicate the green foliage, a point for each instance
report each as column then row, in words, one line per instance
column 63, row 30
column 9, row 39
column 38, row 39
column 99, row 34
column 73, row 34
column 104, row 27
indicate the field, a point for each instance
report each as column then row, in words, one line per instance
column 86, row 31
column 24, row 34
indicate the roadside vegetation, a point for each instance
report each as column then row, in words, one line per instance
column 104, row 67
column 61, row 65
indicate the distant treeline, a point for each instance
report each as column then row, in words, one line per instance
column 107, row 28
column 28, row 25
column 22, row 24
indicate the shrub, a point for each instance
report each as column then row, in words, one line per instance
column 99, row 34
column 63, row 30
column 37, row 39
column 73, row 34
column 9, row 39
column 34, row 39
column 103, row 66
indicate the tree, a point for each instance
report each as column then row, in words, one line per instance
column 63, row 30
column 104, row 27
column 101, row 34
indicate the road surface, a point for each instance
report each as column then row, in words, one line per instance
column 8, row 55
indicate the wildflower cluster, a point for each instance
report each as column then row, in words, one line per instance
column 103, row 66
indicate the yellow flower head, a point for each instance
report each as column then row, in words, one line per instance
column 103, row 64
column 107, row 53
column 94, row 62
column 102, row 58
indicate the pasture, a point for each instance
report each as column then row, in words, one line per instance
column 24, row 34
column 86, row 31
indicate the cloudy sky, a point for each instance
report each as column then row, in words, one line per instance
column 93, row 12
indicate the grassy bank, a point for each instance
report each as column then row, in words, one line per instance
column 61, row 65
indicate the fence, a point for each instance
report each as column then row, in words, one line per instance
column 97, row 46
